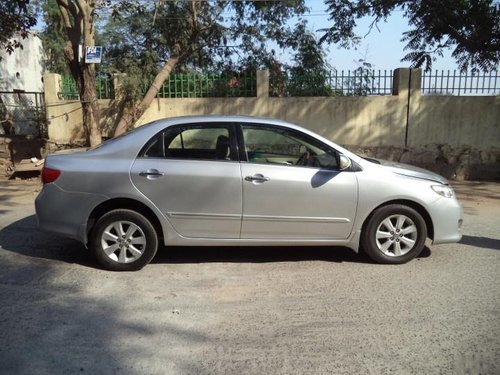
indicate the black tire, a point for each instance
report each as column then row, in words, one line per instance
column 132, row 249
column 394, row 234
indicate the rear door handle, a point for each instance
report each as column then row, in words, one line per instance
column 151, row 174
column 258, row 178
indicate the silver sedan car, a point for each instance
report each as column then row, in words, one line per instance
column 225, row 181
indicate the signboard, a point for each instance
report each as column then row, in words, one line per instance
column 93, row 54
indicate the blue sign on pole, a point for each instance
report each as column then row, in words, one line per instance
column 93, row 54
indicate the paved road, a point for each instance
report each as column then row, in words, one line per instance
column 249, row 311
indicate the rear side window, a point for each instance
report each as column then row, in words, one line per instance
column 194, row 142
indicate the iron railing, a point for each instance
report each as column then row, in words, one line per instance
column 177, row 86
column 69, row 88
column 460, row 83
column 208, row 85
column 359, row 82
column 362, row 82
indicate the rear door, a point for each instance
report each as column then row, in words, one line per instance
column 191, row 173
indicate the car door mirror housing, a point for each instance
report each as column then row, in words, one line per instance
column 344, row 162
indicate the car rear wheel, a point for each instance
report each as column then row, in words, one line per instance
column 394, row 234
column 123, row 240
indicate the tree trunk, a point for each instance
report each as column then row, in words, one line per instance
column 88, row 94
column 90, row 107
column 128, row 118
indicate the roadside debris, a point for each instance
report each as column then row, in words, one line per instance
column 25, row 166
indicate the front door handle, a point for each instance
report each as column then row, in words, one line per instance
column 151, row 174
column 258, row 178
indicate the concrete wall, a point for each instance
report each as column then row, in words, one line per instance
column 65, row 117
column 456, row 121
column 456, row 136
column 347, row 120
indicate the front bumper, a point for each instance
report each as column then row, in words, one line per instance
column 447, row 217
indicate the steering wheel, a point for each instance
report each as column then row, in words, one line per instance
column 308, row 159
column 303, row 159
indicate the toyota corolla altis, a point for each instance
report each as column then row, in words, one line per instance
column 233, row 180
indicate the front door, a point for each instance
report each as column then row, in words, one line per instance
column 293, row 188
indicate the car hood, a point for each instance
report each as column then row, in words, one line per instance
column 410, row 171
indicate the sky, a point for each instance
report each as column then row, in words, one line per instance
column 382, row 48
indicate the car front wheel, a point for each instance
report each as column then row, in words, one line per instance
column 394, row 234
column 123, row 240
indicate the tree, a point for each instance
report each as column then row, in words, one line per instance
column 195, row 34
column 471, row 28
column 78, row 19
column 165, row 35
column 310, row 74
column 53, row 37
column 16, row 19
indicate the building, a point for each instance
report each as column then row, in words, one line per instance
column 23, row 69
column 21, row 86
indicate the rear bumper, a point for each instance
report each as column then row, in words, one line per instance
column 65, row 213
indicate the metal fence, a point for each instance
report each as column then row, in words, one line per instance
column 208, row 85
column 22, row 113
column 359, row 82
column 104, row 88
column 460, row 83
column 177, row 86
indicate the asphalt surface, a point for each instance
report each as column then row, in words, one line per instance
column 249, row 310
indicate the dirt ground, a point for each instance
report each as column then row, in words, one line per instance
column 249, row 310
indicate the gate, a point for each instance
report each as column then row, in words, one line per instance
column 23, row 113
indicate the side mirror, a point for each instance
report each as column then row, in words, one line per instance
column 345, row 162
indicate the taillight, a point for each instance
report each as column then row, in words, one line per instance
column 50, row 175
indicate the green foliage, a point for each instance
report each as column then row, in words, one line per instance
column 362, row 80
column 309, row 76
column 17, row 17
column 53, row 38
column 470, row 28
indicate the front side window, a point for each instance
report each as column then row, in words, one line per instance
column 286, row 147
column 202, row 142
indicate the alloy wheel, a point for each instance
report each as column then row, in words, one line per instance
column 123, row 241
column 396, row 235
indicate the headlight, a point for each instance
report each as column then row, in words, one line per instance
column 443, row 190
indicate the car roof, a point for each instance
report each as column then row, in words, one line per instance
column 221, row 118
